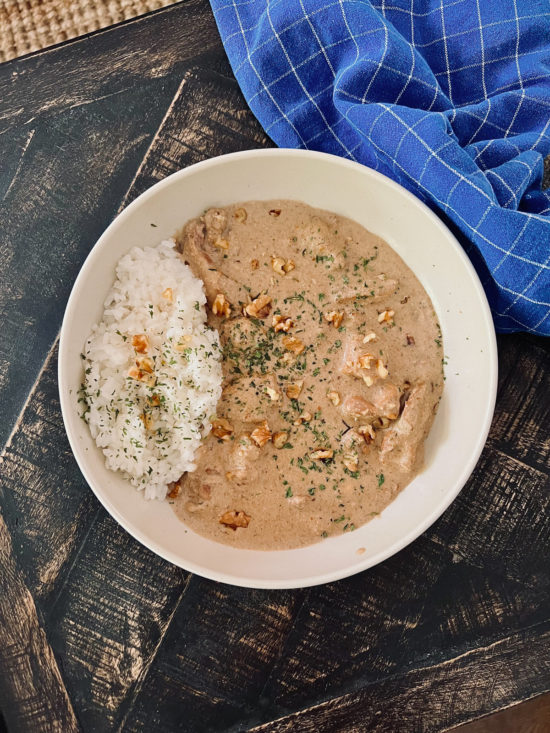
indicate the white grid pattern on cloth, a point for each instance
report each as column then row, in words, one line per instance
column 471, row 81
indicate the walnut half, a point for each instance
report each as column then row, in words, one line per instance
column 221, row 306
column 235, row 518
column 221, row 428
column 262, row 434
column 259, row 307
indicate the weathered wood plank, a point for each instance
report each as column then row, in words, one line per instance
column 32, row 694
column 48, row 509
column 105, row 651
column 52, row 212
column 215, row 659
column 521, row 425
column 446, row 593
column 436, row 698
column 532, row 716
column 106, row 64
column 208, row 117
column 110, row 617
column 501, row 522
column 140, row 646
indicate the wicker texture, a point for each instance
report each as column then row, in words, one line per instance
column 30, row 25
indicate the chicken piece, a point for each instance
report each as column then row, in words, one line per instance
column 352, row 441
column 353, row 349
column 215, row 221
column 240, row 332
column 193, row 244
column 241, row 459
column 250, row 400
column 321, row 243
column 356, row 407
column 404, row 440
column 200, row 486
column 380, row 400
column 385, row 398
column 244, row 344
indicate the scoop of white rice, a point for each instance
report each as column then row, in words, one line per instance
column 149, row 425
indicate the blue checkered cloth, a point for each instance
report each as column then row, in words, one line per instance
column 451, row 99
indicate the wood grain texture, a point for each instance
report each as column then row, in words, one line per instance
column 521, row 425
column 532, row 716
column 208, row 115
column 454, row 626
column 105, row 64
column 32, row 693
column 52, row 212
column 433, row 699
column 106, row 639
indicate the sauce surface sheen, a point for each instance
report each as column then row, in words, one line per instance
column 332, row 364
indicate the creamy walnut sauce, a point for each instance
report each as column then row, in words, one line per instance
column 332, row 362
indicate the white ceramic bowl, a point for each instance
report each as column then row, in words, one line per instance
column 385, row 208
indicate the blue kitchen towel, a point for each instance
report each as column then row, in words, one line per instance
column 450, row 98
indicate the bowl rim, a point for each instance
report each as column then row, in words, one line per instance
column 446, row 500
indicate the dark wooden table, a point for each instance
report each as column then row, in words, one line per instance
column 97, row 633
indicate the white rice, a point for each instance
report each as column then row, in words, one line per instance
column 186, row 356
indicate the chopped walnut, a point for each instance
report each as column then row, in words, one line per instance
column 335, row 317
column 240, row 215
column 254, row 264
column 289, row 266
column 304, row 417
column 147, row 420
column 367, row 432
column 140, row 342
column 386, row 316
column 142, row 376
column 322, row 454
column 259, row 307
column 282, row 323
column 221, row 428
column 221, row 306
column 293, row 344
column 273, row 394
column 234, row 519
column 168, row 294
column 293, row 390
column 365, row 360
column 221, row 243
column 262, row 434
column 334, row 397
column 174, row 488
column 277, row 265
column 279, row 439
column 144, row 364
column 351, row 461
column 369, row 337
column 381, row 369
column 282, row 266
column 274, row 212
